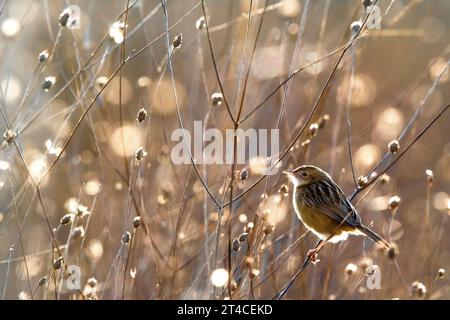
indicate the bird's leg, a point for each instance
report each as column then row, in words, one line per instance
column 312, row 254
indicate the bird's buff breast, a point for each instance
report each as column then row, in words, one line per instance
column 320, row 224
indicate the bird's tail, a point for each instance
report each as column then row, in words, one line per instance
column 374, row 236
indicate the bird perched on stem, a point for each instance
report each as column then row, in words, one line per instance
column 323, row 208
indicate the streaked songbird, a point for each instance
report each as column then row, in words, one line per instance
column 323, row 208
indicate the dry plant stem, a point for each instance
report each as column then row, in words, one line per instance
column 216, row 69
column 428, row 239
column 8, row 269
column 19, row 230
column 349, row 102
column 176, row 233
column 126, row 263
column 122, row 58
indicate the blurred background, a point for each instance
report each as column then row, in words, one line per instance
column 91, row 93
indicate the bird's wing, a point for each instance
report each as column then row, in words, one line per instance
column 329, row 199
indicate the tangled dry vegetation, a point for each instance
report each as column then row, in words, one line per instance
column 88, row 188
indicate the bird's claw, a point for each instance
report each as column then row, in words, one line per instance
column 312, row 256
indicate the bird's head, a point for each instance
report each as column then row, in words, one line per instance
column 305, row 175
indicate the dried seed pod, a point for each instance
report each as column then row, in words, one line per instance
column 42, row 281
column 126, row 237
column 392, row 253
column 268, row 229
column 364, row 263
column 418, row 289
column 217, row 99
column 355, row 27
column 9, row 136
column 393, row 146
column 243, row 175
column 430, row 177
column 137, row 222
column 140, row 154
column 43, row 56
column 313, row 129
column 48, row 83
column 64, row 17
column 394, row 202
column 58, row 263
column 92, row 282
column 66, row 219
column 177, row 41
column 142, row 115
column 265, row 215
column 384, row 179
column 441, row 273
column 362, row 181
column 350, row 269
column 200, row 23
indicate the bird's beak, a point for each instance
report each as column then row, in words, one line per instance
column 288, row 173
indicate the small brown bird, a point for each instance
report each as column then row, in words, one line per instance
column 323, row 208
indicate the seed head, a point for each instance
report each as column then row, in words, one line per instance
column 177, row 41
column 217, row 99
column 364, row 263
column 430, row 177
column 66, row 219
column 394, row 202
column 362, row 181
column 9, row 136
column 142, row 115
column 58, row 263
column 92, row 282
column 418, row 289
column 355, row 27
column 126, row 237
column 392, row 253
column 243, row 174
column 64, row 17
column 393, row 146
column 265, row 215
column 43, row 56
column 268, row 229
column 42, row 281
column 384, row 179
column 137, row 222
column 48, row 83
column 351, row 269
column 140, row 154
column 441, row 273
column 313, row 129
column 200, row 23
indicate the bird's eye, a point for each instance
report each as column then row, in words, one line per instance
column 304, row 174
